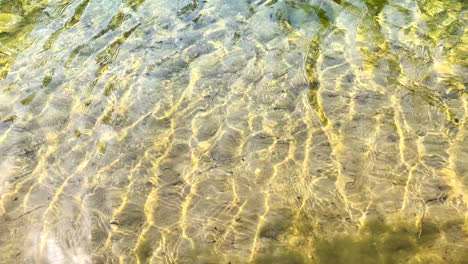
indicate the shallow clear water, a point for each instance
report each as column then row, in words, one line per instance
column 242, row 131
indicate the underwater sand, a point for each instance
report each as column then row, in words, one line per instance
column 233, row 131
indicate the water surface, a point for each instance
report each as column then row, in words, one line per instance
column 243, row 131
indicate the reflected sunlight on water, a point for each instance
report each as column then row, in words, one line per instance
column 250, row 131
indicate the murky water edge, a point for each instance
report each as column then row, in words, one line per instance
column 250, row 131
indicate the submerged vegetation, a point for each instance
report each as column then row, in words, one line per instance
column 17, row 19
column 375, row 242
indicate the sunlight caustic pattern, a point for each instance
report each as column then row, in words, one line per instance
column 250, row 131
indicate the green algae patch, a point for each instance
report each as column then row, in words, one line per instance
column 28, row 99
column 10, row 118
column 203, row 255
column 286, row 257
column 9, row 22
column 312, row 77
column 375, row 6
column 101, row 147
column 17, row 20
column 377, row 242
